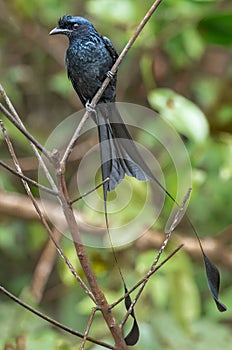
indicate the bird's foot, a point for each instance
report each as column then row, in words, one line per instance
column 89, row 107
column 110, row 74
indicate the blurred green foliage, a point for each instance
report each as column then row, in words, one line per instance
column 181, row 67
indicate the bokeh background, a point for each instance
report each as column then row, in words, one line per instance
column 181, row 67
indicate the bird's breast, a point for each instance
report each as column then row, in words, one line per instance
column 88, row 61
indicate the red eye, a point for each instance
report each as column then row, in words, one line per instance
column 75, row 26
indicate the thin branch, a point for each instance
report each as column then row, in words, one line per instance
column 43, row 220
column 27, row 188
column 213, row 246
column 125, row 51
column 9, row 116
column 44, row 267
column 99, row 296
column 88, row 328
column 37, row 154
column 9, row 104
column 148, row 275
column 63, row 256
column 90, row 191
column 52, row 321
column 28, row 179
column 175, row 222
column 74, row 138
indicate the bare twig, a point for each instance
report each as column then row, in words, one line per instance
column 9, row 104
column 28, row 179
column 100, row 298
column 15, row 115
column 43, row 220
column 9, row 116
column 73, row 140
column 88, row 328
column 27, row 188
column 44, row 267
column 148, row 275
column 172, row 228
column 161, row 250
column 91, row 191
column 125, row 50
column 54, row 322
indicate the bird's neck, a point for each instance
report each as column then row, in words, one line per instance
column 83, row 34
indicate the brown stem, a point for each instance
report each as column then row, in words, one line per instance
column 44, row 267
column 100, row 298
column 88, row 328
column 28, row 179
column 22, row 129
column 90, row 191
column 124, row 51
column 16, row 117
column 42, row 218
column 148, row 275
column 175, row 222
column 52, row 321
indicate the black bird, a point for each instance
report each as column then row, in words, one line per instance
column 89, row 58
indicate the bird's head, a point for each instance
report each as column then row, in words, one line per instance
column 69, row 25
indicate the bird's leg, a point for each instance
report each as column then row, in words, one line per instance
column 110, row 75
column 92, row 111
column 89, row 107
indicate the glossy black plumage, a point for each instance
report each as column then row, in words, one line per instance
column 88, row 58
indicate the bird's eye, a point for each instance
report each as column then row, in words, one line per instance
column 75, row 26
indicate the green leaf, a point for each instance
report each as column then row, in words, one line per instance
column 217, row 29
column 183, row 114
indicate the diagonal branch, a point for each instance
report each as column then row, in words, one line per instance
column 24, row 131
column 175, row 222
column 43, row 220
column 90, row 191
column 28, row 179
column 99, row 296
column 54, row 322
column 89, row 324
column 125, row 51
column 148, row 275
column 15, row 115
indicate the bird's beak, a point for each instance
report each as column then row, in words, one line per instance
column 58, row 30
